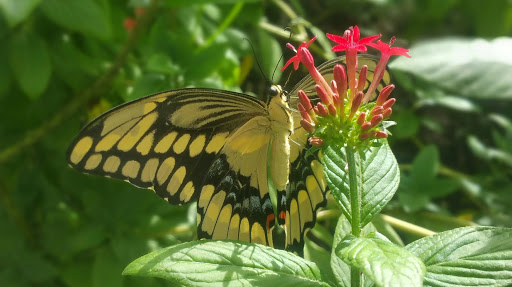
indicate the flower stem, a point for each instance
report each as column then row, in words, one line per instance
column 355, row 183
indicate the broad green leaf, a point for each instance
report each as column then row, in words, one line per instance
column 269, row 56
column 425, row 165
column 381, row 177
column 86, row 17
column 467, row 256
column 488, row 153
column 383, row 262
column 30, row 62
column 340, row 269
column 465, row 67
column 16, row 11
column 219, row 263
column 205, row 62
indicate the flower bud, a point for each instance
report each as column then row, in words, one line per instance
column 387, row 112
column 304, row 100
column 340, row 76
column 304, row 114
column 332, row 109
column 356, row 102
column 307, row 126
column 362, row 78
column 361, row 118
column 334, row 87
column 366, row 126
column 377, row 110
column 384, row 94
column 381, row 135
column 322, row 94
column 389, row 103
column 316, row 141
column 376, row 120
column 322, row 111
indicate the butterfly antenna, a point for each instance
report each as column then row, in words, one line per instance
column 257, row 61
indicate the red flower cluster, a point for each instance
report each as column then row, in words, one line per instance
column 344, row 100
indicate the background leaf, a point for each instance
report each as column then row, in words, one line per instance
column 468, row 256
column 30, row 62
column 77, row 15
column 475, row 67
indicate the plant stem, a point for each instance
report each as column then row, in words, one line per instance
column 355, row 183
column 354, row 178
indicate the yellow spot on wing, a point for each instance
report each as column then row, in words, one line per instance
column 306, row 212
column 198, row 219
column 181, row 144
column 176, row 180
column 80, row 149
column 93, row 161
column 222, row 226
column 314, row 191
column 131, row 169
column 245, row 230
column 216, row 143
column 107, row 142
column 187, row 192
column 135, row 133
column 165, row 143
column 149, row 171
column 258, row 234
column 146, row 143
column 205, row 195
column 316, row 167
column 112, row 164
column 294, row 222
column 234, row 227
column 149, row 107
column 165, row 170
column 197, row 145
column 212, row 213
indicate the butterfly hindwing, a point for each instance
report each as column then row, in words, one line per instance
column 190, row 144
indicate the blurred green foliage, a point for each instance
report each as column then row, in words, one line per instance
column 63, row 62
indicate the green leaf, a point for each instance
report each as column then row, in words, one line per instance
column 270, row 55
column 30, row 62
column 17, row 11
column 219, row 263
column 83, row 16
column 409, row 124
column 381, row 177
column 466, row 67
column 468, row 256
column 383, row 262
column 425, row 165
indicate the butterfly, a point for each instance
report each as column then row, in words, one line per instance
column 224, row 150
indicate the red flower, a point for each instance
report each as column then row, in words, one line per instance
column 296, row 59
column 351, row 41
column 386, row 52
